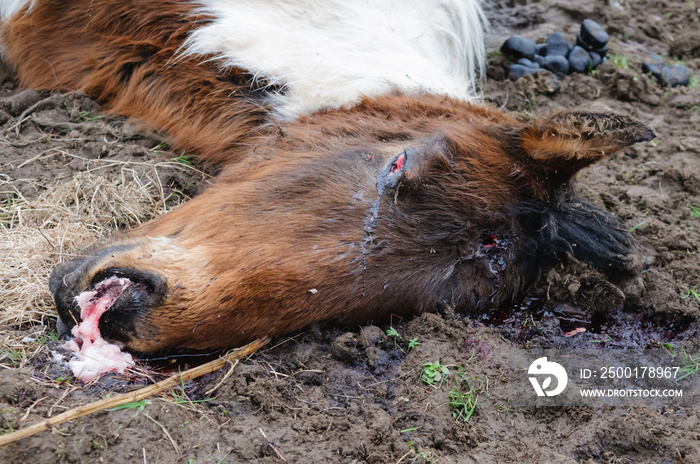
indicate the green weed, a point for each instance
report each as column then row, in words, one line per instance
column 181, row 397
column 503, row 409
column 694, row 210
column 411, row 429
column 137, row 405
column 530, row 106
column 690, row 365
column 620, row 61
column 392, row 332
column 638, row 226
column 187, row 160
column 158, row 147
column 693, row 291
column 434, row 373
column 47, row 338
column 10, row 428
column 592, row 72
column 87, row 116
column 693, row 83
column 13, row 356
column 463, row 398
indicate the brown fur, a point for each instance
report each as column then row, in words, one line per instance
column 305, row 222
column 125, row 54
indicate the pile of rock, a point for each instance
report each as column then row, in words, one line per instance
column 671, row 75
column 558, row 54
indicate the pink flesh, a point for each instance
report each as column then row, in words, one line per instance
column 398, row 165
column 94, row 355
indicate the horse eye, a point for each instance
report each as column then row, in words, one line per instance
column 490, row 241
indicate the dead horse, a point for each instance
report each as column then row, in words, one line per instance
column 358, row 178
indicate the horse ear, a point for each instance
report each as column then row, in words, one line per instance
column 563, row 143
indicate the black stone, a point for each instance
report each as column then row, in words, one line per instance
column 653, row 64
column 582, row 44
column 579, row 60
column 540, row 49
column 596, row 59
column 557, row 45
column 557, row 64
column 517, row 47
column 675, row 75
column 516, row 71
column 602, row 51
column 593, row 34
column 528, row 63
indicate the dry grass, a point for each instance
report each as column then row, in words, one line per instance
column 36, row 235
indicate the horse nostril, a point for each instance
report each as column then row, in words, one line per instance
column 63, row 284
column 71, row 279
column 62, row 271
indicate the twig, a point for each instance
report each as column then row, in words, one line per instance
column 134, row 396
column 226, row 376
column 26, row 414
column 272, row 445
column 177, row 450
column 63, row 396
column 87, row 128
column 52, row 99
column 402, row 457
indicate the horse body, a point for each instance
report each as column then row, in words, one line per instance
column 358, row 177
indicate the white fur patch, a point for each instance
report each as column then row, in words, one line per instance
column 328, row 54
column 9, row 7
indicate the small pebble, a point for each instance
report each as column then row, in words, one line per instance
column 653, row 64
column 539, row 59
column 675, row 75
column 528, row 63
column 516, row 71
column 556, row 63
column 579, row 60
column 540, row 49
column 596, row 59
column 553, row 83
column 557, row 45
column 593, row 34
column 518, row 47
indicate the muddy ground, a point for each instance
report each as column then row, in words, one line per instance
column 354, row 394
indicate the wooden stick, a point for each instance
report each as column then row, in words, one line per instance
column 138, row 395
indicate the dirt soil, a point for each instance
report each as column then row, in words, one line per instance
column 355, row 394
